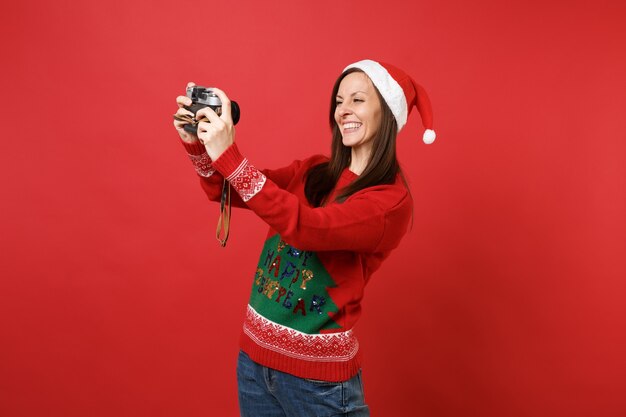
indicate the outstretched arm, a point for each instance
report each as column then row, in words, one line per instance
column 371, row 220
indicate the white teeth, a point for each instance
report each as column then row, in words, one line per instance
column 351, row 125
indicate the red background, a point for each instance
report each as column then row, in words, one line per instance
column 505, row 299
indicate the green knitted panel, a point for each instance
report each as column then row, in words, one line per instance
column 289, row 288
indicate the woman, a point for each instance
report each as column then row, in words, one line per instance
column 332, row 222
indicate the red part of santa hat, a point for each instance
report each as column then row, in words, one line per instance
column 400, row 92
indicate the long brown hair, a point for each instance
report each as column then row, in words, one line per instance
column 382, row 167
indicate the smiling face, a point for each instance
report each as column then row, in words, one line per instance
column 358, row 111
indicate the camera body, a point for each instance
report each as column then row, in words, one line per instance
column 202, row 97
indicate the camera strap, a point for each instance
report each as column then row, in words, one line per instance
column 223, row 222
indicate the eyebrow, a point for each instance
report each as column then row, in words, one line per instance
column 353, row 94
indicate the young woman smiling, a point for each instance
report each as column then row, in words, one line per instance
column 332, row 222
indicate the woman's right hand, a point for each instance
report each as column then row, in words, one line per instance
column 182, row 101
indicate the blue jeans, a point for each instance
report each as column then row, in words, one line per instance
column 266, row 392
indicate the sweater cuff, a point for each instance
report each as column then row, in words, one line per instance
column 199, row 158
column 244, row 177
column 229, row 161
column 195, row 148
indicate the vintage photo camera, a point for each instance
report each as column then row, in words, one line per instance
column 202, row 97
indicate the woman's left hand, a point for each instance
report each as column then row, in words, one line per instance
column 219, row 133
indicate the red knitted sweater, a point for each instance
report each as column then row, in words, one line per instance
column 309, row 282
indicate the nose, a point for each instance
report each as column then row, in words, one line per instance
column 343, row 110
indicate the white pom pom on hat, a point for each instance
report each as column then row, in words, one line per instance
column 400, row 92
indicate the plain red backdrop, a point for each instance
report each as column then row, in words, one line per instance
column 507, row 298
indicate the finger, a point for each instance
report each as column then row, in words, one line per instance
column 183, row 112
column 210, row 114
column 204, row 127
column 225, row 104
column 204, row 136
column 191, row 84
column 183, row 101
column 179, row 124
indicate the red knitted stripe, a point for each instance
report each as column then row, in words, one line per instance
column 323, row 371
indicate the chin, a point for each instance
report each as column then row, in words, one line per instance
column 350, row 142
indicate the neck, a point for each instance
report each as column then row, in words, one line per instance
column 359, row 159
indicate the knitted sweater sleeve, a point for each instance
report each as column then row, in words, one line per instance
column 211, row 180
column 372, row 220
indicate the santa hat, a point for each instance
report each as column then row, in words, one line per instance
column 400, row 92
